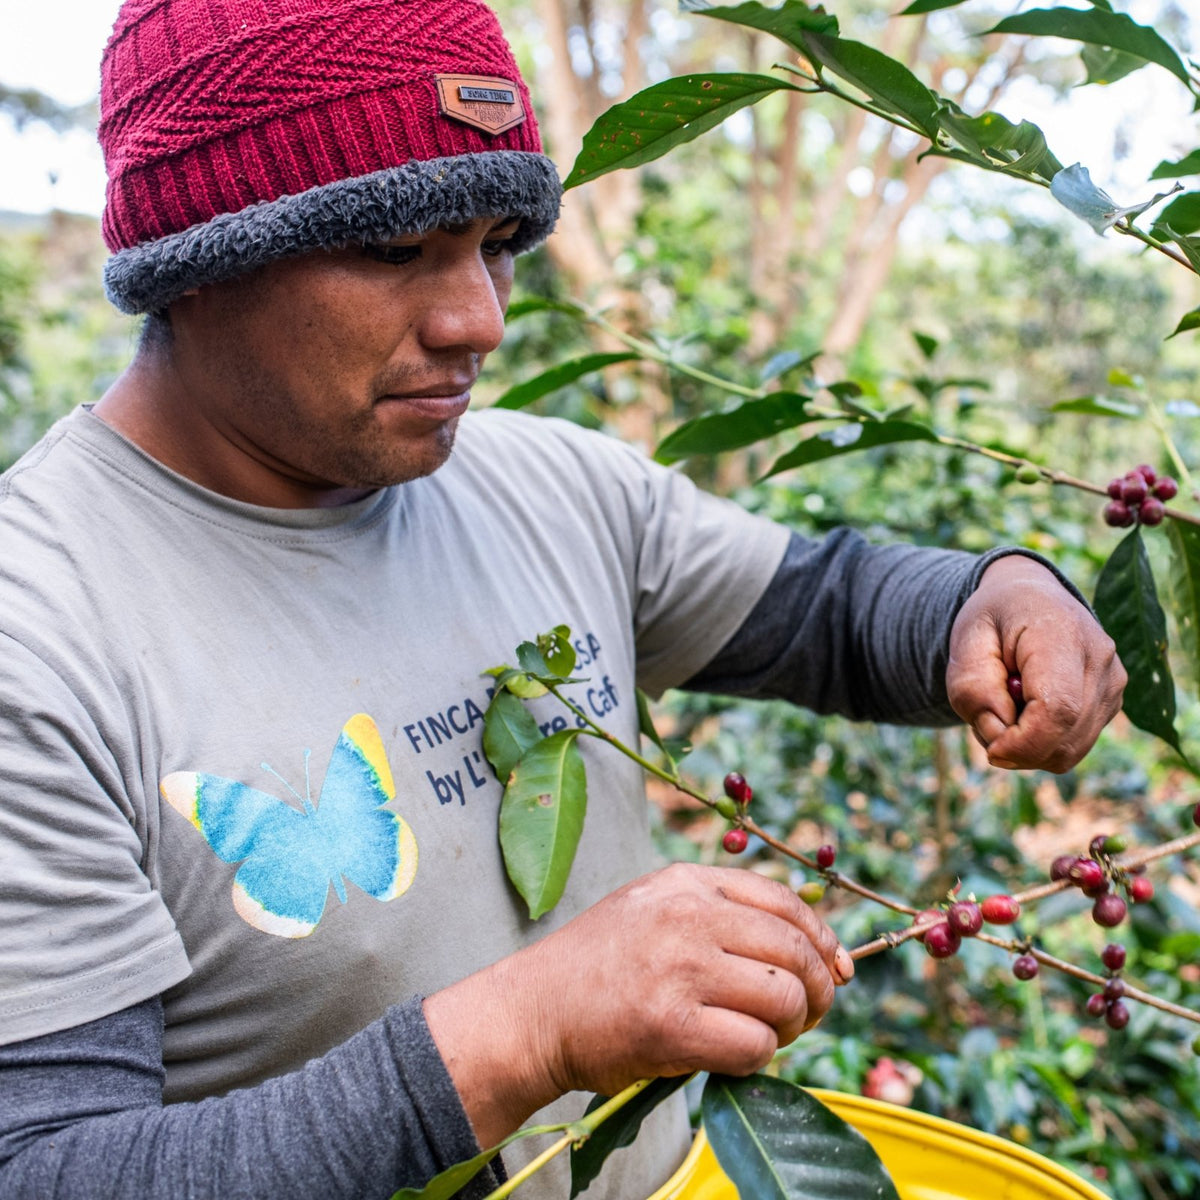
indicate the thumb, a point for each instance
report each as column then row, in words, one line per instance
column 977, row 680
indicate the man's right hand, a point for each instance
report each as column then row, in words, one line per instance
column 689, row 968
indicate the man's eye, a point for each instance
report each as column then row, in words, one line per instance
column 397, row 256
column 498, row 246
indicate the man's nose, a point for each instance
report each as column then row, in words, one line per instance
column 465, row 306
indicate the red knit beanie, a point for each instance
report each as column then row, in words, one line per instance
column 238, row 131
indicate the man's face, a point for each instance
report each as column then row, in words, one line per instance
column 321, row 377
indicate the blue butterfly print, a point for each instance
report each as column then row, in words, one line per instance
column 292, row 857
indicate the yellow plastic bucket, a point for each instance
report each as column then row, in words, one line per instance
column 928, row 1158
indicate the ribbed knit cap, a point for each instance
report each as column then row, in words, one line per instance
column 238, row 131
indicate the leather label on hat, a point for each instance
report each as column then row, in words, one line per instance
column 483, row 101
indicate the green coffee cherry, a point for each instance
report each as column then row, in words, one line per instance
column 1028, row 473
column 727, row 808
column 813, row 893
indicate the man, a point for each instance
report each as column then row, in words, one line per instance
column 246, row 601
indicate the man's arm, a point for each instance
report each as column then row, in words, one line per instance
column 921, row 636
column 81, row 1114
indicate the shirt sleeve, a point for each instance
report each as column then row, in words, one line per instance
column 856, row 629
column 81, row 1114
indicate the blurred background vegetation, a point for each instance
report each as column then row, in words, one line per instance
column 805, row 226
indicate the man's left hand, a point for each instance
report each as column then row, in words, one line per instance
column 1021, row 620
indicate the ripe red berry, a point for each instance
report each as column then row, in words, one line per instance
column 1060, row 868
column 736, row 788
column 1196, row 815
column 1146, row 471
column 1133, row 490
column 1025, row 967
column 1000, row 910
column 1141, row 890
column 1109, row 911
column 1118, row 514
column 1151, row 511
column 924, row 917
column 1114, row 989
column 1117, row 1016
column 826, row 857
column 735, row 841
column 1097, row 1005
column 941, row 941
column 1096, row 845
column 965, row 918
column 1113, row 956
column 1166, row 488
column 1114, row 488
column 1016, row 689
column 1086, row 873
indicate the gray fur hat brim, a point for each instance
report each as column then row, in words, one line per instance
column 413, row 198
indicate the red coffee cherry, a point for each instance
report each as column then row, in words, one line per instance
column 1114, row 488
column 1097, row 1006
column 1016, row 689
column 1113, row 956
column 1141, row 890
column 941, row 941
column 924, row 917
column 1133, row 489
column 965, row 918
column 1118, row 514
column 1117, row 1016
column 1000, row 910
column 1096, row 845
column 1114, row 989
column 1025, row 967
column 1060, row 868
column 1146, row 471
column 735, row 841
column 1109, row 911
column 1086, row 873
column 736, row 787
column 1151, row 511
column 1196, row 815
column 826, row 857
column 1166, row 488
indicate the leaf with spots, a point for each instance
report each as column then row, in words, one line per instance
column 1127, row 604
column 541, row 819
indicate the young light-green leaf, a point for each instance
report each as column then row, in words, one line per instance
column 509, row 731
column 662, row 117
column 541, row 819
column 848, row 438
column 1099, row 28
column 618, row 1131
column 1127, row 605
column 742, row 426
column 1099, row 406
column 1185, row 591
column 522, row 394
column 777, row 1142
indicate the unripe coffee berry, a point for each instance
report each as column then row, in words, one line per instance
column 1196, row 1046
column 1166, row 488
column 1115, row 843
column 1097, row 1006
column 727, row 808
column 811, row 892
column 1086, row 873
column 1000, row 910
column 1060, row 868
column 1117, row 1015
column 1118, row 514
column 826, row 857
column 965, row 918
column 1028, row 473
column 1109, row 911
column 735, row 841
column 1151, row 511
column 1113, row 956
column 1133, row 490
column 736, row 787
column 1141, row 890
column 941, row 941
column 1025, row 967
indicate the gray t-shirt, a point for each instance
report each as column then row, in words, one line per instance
column 191, row 683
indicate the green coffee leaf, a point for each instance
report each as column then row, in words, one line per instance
column 1099, row 28
column 927, row 345
column 1185, row 591
column 1182, row 215
column 662, row 117
column 541, row 819
column 1188, row 165
column 1189, row 245
column 789, row 21
column 786, row 360
column 991, row 139
column 453, row 1179
column 517, row 682
column 742, row 426
column 556, row 650
column 509, row 730
column 1103, row 64
column 890, row 84
column 777, row 1142
column 1099, row 406
column 845, row 439
column 1127, row 606
column 927, row 6
column 536, row 304
column 1188, row 322
column 521, row 394
column 618, row 1131
column 646, row 722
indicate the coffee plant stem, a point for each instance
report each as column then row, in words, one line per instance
column 1131, row 230
column 1185, row 476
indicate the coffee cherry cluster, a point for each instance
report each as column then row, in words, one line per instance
column 1138, row 496
column 738, row 793
column 1095, row 875
column 1108, row 1003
